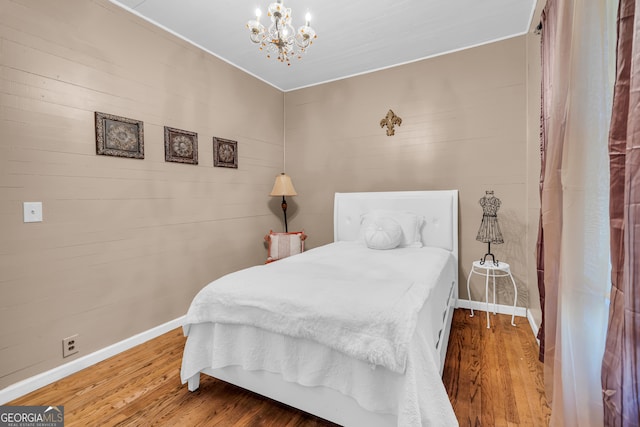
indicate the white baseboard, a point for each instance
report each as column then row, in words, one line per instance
column 28, row 385
column 499, row 308
column 534, row 326
column 502, row 309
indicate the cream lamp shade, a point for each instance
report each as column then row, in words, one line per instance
column 283, row 187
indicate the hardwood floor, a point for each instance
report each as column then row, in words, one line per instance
column 492, row 376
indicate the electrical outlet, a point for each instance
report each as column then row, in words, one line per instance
column 70, row 345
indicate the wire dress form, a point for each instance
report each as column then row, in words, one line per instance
column 489, row 231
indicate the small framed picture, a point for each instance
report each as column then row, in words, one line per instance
column 119, row 136
column 180, row 146
column 225, row 153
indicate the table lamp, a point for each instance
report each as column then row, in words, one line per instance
column 283, row 187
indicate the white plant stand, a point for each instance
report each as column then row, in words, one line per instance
column 489, row 269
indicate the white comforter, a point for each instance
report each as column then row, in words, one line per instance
column 361, row 302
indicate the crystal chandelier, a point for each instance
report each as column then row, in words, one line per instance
column 280, row 38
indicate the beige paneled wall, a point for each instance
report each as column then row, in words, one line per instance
column 464, row 126
column 125, row 244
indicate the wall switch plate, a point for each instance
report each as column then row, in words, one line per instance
column 70, row 346
column 32, row 211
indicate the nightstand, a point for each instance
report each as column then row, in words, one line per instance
column 489, row 269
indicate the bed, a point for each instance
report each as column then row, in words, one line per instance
column 354, row 335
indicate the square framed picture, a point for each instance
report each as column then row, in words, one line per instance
column 119, row 136
column 225, row 153
column 180, row 146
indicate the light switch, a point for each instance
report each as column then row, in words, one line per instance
column 32, row 211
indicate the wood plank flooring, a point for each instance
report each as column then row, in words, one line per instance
column 492, row 376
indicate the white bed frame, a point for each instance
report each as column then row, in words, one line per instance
column 440, row 209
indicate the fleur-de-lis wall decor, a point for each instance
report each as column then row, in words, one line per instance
column 390, row 121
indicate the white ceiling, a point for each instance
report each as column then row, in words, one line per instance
column 354, row 36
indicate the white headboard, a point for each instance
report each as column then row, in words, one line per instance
column 439, row 208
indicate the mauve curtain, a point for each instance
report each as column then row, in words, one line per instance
column 546, row 59
column 620, row 365
column 550, row 185
column 578, row 46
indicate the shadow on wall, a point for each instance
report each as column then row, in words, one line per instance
column 275, row 206
column 513, row 231
column 513, row 252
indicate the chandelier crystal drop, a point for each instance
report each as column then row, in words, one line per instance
column 280, row 39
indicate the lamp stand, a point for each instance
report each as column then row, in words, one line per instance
column 483, row 259
column 284, row 210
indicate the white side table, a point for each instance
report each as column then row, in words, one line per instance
column 489, row 269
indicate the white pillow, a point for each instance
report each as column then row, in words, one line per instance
column 383, row 233
column 410, row 223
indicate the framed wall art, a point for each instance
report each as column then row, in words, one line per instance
column 180, row 146
column 119, row 136
column 225, row 153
